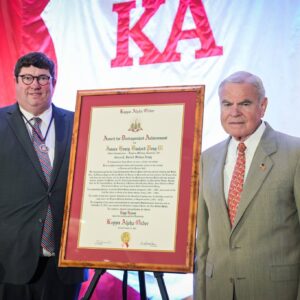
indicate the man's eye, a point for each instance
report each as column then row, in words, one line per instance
column 27, row 77
column 43, row 77
column 246, row 103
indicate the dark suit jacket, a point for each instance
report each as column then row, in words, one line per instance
column 24, row 196
column 260, row 254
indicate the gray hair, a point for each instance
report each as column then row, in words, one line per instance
column 245, row 77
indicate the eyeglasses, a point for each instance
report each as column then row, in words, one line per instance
column 41, row 79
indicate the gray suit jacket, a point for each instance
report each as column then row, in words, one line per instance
column 24, row 196
column 260, row 255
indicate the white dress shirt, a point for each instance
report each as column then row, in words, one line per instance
column 46, row 117
column 251, row 143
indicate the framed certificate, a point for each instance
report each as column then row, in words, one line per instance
column 132, row 191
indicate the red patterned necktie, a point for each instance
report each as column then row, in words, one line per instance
column 236, row 184
column 42, row 153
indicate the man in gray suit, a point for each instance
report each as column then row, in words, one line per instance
column 254, row 254
column 35, row 139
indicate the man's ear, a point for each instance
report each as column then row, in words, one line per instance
column 264, row 104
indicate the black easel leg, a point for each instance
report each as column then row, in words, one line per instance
column 161, row 285
column 143, row 293
column 124, row 285
column 89, row 292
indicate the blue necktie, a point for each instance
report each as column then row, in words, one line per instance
column 42, row 153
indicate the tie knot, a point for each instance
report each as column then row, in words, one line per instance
column 37, row 121
column 242, row 147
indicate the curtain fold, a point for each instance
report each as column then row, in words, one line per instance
column 22, row 29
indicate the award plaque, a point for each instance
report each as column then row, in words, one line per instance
column 132, row 191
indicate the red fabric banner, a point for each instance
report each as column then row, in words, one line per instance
column 22, row 29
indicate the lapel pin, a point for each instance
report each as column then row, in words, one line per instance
column 262, row 166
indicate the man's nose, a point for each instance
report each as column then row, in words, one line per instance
column 35, row 82
column 235, row 110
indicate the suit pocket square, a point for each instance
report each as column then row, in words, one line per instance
column 285, row 272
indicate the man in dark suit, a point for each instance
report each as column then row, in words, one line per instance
column 248, row 240
column 34, row 163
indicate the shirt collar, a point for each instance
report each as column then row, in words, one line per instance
column 45, row 116
column 253, row 139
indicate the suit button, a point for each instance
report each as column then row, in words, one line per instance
column 49, row 195
column 40, row 220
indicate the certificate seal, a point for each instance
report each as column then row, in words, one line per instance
column 125, row 238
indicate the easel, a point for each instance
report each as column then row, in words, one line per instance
column 142, row 284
